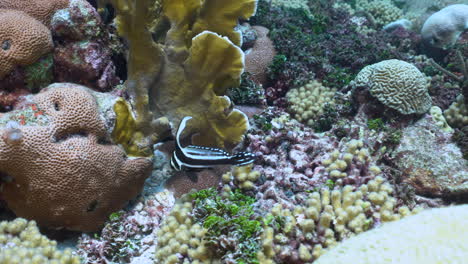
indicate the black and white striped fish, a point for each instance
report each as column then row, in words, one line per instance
column 199, row 157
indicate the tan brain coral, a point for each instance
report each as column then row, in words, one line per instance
column 23, row 40
column 398, row 85
column 42, row 10
column 63, row 171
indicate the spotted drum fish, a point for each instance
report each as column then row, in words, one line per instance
column 198, row 157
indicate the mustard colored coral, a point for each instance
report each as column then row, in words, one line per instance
column 187, row 70
column 222, row 16
column 125, row 132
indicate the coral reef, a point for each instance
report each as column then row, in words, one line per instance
column 398, row 85
column 243, row 177
column 180, row 238
column 249, row 92
column 431, row 236
column 210, row 226
column 63, row 170
column 305, row 232
column 325, row 45
column 21, row 242
column 128, row 236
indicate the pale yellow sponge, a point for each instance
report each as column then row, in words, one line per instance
column 457, row 114
column 431, row 237
column 307, row 102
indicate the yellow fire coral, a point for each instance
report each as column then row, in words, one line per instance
column 21, row 242
column 185, row 72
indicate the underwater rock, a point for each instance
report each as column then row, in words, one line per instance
column 400, row 23
column 430, row 161
column 77, row 22
column 443, row 28
column 66, row 171
column 84, row 51
column 87, row 63
column 249, row 35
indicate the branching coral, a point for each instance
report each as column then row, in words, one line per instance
column 382, row 11
column 308, row 102
column 189, row 67
column 210, row 226
column 21, row 242
column 328, row 217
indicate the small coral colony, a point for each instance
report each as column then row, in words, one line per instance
column 233, row 131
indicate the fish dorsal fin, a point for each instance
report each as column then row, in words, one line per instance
column 206, row 151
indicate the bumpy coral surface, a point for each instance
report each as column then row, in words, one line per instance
column 308, row 101
column 457, row 113
column 383, row 11
column 260, row 56
column 63, row 170
column 21, row 242
column 181, row 238
column 430, row 237
column 23, row 40
column 42, row 10
column 398, row 85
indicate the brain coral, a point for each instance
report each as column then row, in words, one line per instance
column 430, row 237
column 63, row 171
column 23, row 40
column 42, row 10
column 398, row 85
column 21, row 242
